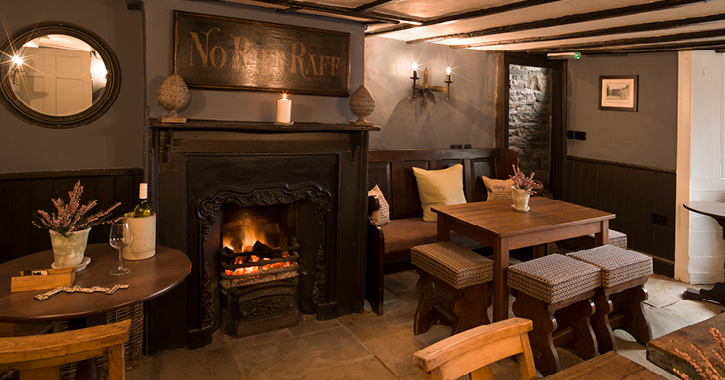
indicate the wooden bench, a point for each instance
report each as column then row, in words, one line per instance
column 389, row 246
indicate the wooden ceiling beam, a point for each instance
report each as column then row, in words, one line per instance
column 565, row 20
column 375, row 5
column 700, row 45
column 335, row 10
column 646, row 27
column 465, row 15
column 633, row 41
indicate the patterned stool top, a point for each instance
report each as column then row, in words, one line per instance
column 618, row 265
column 457, row 266
column 616, row 238
column 553, row 278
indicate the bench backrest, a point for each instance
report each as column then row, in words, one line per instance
column 392, row 171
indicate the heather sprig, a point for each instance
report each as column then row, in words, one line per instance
column 71, row 217
column 523, row 182
column 709, row 368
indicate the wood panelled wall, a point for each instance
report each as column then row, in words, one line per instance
column 22, row 194
column 634, row 194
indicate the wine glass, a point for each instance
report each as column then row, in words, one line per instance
column 119, row 238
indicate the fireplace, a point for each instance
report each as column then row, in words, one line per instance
column 304, row 185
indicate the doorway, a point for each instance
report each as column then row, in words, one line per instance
column 530, row 116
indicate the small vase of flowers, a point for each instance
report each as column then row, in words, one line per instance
column 69, row 227
column 523, row 188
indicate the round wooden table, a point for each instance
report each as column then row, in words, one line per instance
column 148, row 279
column 715, row 210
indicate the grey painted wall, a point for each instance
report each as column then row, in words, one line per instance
column 113, row 140
column 647, row 137
column 244, row 105
column 467, row 118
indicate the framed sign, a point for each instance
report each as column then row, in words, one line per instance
column 234, row 54
column 618, row 93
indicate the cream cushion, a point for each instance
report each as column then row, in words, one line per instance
column 438, row 188
column 498, row 188
column 381, row 216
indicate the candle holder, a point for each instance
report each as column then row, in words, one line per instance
column 425, row 87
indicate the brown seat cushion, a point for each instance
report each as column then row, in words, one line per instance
column 457, row 266
column 553, row 278
column 404, row 234
column 618, row 265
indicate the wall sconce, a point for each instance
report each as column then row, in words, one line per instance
column 425, row 87
column 18, row 71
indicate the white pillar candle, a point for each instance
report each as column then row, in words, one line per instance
column 284, row 109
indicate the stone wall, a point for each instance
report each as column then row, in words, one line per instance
column 530, row 120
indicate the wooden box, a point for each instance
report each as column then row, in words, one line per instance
column 54, row 278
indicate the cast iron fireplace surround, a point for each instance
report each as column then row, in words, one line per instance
column 318, row 169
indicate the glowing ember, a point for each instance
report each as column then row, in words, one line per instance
column 245, row 238
column 256, row 268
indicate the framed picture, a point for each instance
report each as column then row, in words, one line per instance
column 224, row 53
column 618, row 92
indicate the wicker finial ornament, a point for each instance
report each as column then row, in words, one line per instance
column 362, row 104
column 173, row 95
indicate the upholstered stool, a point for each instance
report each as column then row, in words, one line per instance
column 620, row 299
column 616, row 238
column 555, row 291
column 454, row 282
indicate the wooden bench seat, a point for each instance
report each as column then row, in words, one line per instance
column 388, row 246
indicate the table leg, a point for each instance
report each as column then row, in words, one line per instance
column 444, row 232
column 602, row 237
column 500, row 289
column 87, row 369
column 717, row 292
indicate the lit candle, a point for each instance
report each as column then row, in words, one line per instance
column 415, row 71
column 284, row 109
column 448, row 72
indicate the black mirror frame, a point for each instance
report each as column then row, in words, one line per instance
column 22, row 111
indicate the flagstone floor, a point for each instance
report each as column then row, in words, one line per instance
column 368, row 346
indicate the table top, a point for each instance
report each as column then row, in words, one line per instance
column 609, row 366
column 713, row 209
column 497, row 217
column 661, row 351
column 148, row 279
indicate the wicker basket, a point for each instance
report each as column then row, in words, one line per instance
column 133, row 347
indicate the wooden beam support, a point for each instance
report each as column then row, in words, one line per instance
column 465, row 15
column 659, row 25
column 569, row 19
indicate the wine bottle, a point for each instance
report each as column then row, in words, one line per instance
column 143, row 208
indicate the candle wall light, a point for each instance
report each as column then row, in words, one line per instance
column 425, row 87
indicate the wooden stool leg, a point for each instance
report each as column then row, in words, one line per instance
column 635, row 322
column 425, row 317
column 472, row 308
column 577, row 316
column 542, row 343
column 600, row 322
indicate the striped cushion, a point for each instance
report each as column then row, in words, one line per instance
column 553, row 278
column 616, row 238
column 455, row 265
column 618, row 265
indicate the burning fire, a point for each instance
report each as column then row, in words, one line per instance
column 244, row 241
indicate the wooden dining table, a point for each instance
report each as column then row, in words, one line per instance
column 148, row 279
column 495, row 224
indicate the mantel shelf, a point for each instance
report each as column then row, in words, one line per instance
column 260, row 126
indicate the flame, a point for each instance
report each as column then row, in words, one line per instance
column 249, row 234
column 256, row 268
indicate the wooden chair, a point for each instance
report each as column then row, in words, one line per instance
column 40, row 356
column 473, row 351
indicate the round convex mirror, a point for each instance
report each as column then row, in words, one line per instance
column 57, row 75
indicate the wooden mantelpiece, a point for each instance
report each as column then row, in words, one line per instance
column 318, row 170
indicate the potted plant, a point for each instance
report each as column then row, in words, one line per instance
column 522, row 189
column 69, row 227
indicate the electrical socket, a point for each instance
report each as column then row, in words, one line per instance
column 580, row 135
column 467, row 146
column 570, row 135
column 456, row 146
column 659, row 220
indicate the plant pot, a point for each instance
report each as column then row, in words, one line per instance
column 69, row 251
column 521, row 200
